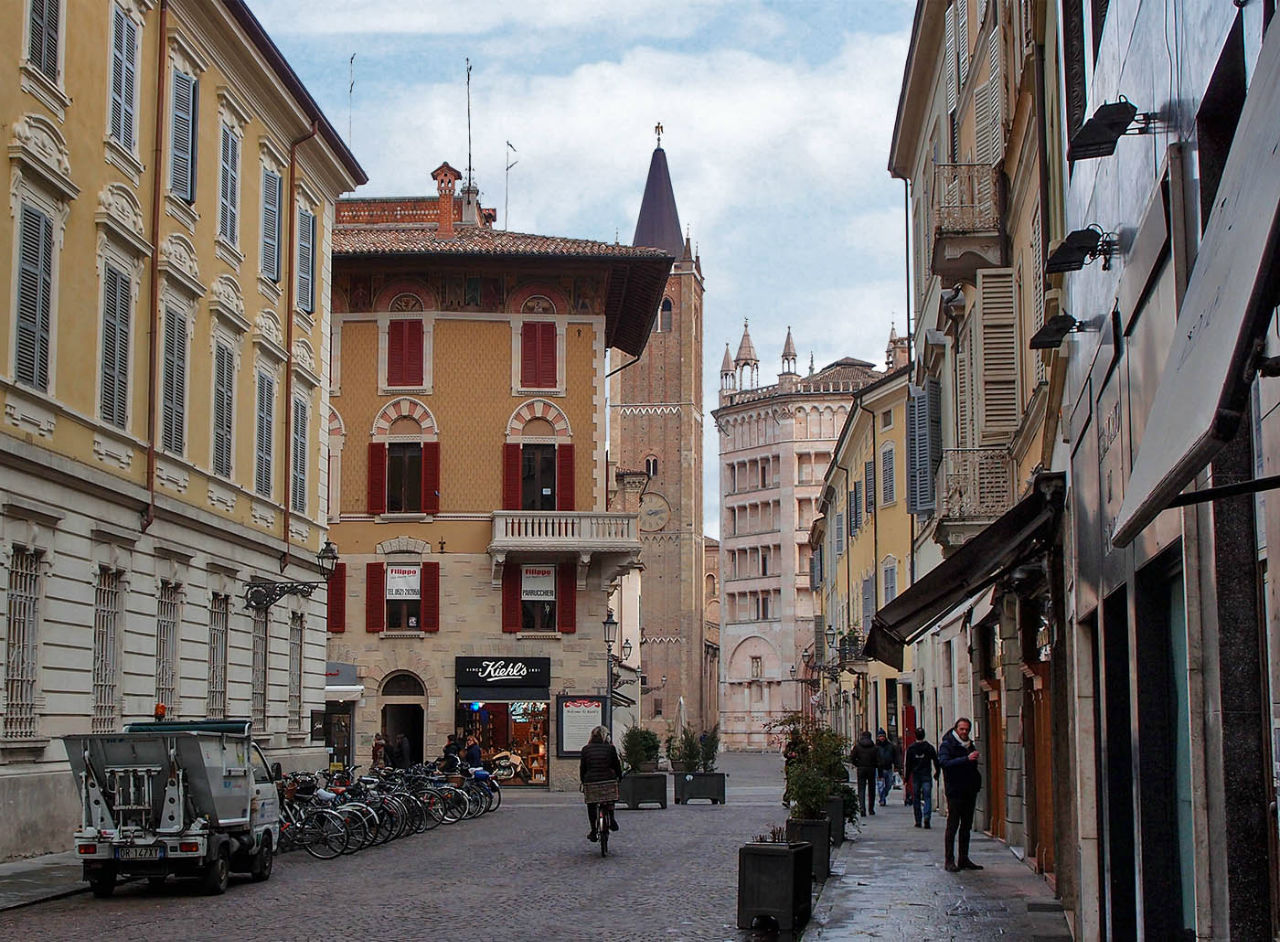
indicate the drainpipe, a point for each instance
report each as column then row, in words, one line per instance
column 149, row 515
column 911, row 348
column 290, row 300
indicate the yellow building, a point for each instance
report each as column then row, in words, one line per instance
column 468, row 478
column 166, row 317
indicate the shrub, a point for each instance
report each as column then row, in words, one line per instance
column 807, row 791
column 639, row 745
column 709, row 747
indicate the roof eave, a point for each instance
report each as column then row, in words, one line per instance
column 916, row 83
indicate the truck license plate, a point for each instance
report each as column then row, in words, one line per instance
column 139, row 853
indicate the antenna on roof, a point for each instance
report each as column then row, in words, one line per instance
column 468, row 122
column 506, row 190
column 351, row 87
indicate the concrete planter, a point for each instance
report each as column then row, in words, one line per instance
column 640, row 787
column 818, row 833
column 835, row 814
column 774, row 883
column 708, row 785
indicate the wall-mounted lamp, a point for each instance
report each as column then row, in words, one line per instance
column 261, row 594
column 1079, row 247
column 1099, row 135
column 1056, row 329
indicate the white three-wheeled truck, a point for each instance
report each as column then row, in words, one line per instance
column 189, row 799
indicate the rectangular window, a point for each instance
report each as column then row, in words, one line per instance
column 403, row 590
column 404, row 353
column 184, row 133
column 229, row 187
column 890, row 582
column 259, row 680
column 106, row 619
column 886, row 419
column 306, row 260
column 35, row 291
column 404, row 478
column 538, row 477
column 175, row 381
column 839, row 528
column 764, row 607
column 263, row 437
column 764, row 475
column 764, row 562
column 298, row 479
column 116, row 297
column 42, row 49
column 888, row 480
column 124, row 68
column 538, row 355
column 224, row 377
column 167, row 647
column 219, row 624
column 22, row 648
column 295, row 672
column 657, row 706
column 270, row 225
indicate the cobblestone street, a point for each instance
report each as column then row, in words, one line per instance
column 525, row 871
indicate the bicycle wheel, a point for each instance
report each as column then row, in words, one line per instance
column 495, row 795
column 602, row 825
column 323, row 834
column 431, row 803
column 357, row 829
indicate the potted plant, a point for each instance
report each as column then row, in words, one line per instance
column 642, row 782
column 807, row 792
column 774, row 881
column 700, row 778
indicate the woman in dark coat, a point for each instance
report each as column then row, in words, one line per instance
column 599, row 763
column 865, row 758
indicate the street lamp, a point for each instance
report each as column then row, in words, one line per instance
column 626, row 650
column 610, row 634
column 261, row 594
column 831, row 640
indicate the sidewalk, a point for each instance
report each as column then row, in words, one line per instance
column 36, row 879
column 888, row 883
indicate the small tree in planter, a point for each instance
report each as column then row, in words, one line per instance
column 643, row 783
column 807, row 792
column 640, row 749
column 699, row 779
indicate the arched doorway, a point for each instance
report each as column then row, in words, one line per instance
column 404, row 710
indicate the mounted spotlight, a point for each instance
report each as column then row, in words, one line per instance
column 1099, row 135
column 1079, row 247
column 1056, row 329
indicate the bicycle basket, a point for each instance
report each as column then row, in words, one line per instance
column 593, row 792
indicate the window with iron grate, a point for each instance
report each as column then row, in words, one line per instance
column 106, row 639
column 167, row 617
column 219, row 623
column 259, row 694
column 296, row 627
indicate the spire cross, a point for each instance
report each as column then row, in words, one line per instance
column 657, row 129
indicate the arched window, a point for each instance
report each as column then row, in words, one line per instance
column 651, row 466
column 403, row 685
column 665, row 315
column 889, row 578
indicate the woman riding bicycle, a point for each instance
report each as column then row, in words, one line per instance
column 599, row 763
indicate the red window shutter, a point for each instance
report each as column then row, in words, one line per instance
column 528, row 355
column 430, row 595
column 375, row 596
column 337, row 599
column 564, row 477
column 547, row 356
column 377, row 478
column 512, row 616
column 567, row 598
column 412, row 353
column 430, row 477
column 396, row 343
column 511, row 476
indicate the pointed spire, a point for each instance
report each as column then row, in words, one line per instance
column 726, row 365
column 658, row 225
column 789, row 354
column 746, row 349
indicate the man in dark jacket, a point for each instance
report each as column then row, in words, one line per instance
column 865, row 758
column 959, row 761
column 599, row 763
column 888, row 758
column 920, row 768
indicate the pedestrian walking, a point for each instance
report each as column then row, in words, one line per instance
column 403, row 757
column 865, row 758
column 959, row 760
column 888, row 759
column 921, row 769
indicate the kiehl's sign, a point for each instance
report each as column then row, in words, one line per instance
column 503, row 671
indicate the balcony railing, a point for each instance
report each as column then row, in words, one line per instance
column 975, row 483
column 965, row 198
column 530, row 529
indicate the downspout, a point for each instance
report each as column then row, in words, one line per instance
column 290, row 301
column 1042, row 144
column 149, row 515
column 911, row 350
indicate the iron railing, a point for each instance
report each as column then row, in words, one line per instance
column 975, row 483
column 965, row 198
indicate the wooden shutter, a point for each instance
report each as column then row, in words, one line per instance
column 565, row 483
column 529, row 355
column 512, row 615
column 538, row 355
column 853, row 504
column 998, row 408
column 855, row 510
column 547, row 356
column 336, row 611
column 429, row 593
column 869, row 485
column 116, row 295
column 228, row 185
column 271, row 225
column 511, row 484
column 124, row 65
column 920, row 489
column 567, row 598
column 183, row 133
column 175, row 380
column 377, row 503
column 839, row 531
column 949, row 51
column 964, row 385
column 888, row 479
column 42, row 49
column 35, row 286
column 306, row 260
column 868, row 603
column 299, row 482
column 223, row 409
column 265, row 435
column 962, row 40
column 430, row 477
column 413, row 353
column 395, row 353
column 375, row 596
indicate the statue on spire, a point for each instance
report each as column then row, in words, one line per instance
column 657, row 129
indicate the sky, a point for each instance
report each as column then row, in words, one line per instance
column 777, row 117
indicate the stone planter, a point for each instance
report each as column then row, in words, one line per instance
column 818, row 833
column 774, row 883
column 835, row 814
column 650, row 766
column 708, row 785
column 640, row 787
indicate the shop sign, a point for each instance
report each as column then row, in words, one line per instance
column 537, row 584
column 576, row 717
column 403, row 582
column 503, row 671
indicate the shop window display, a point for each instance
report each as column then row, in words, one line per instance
column 518, row 727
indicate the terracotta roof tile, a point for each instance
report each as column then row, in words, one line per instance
column 384, row 239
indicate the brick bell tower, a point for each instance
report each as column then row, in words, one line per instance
column 656, row 428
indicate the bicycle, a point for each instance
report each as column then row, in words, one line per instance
column 602, row 795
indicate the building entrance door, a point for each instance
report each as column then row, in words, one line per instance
column 995, row 764
column 407, row 718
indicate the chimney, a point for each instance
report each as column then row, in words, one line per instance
column 446, row 180
column 471, row 205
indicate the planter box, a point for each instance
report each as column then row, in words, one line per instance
column 835, row 814
column 640, row 787
column 774, row 882
column 818, row 833
column 650, row 766
column 708, row 785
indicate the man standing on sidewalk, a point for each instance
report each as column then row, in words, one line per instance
column 959, row 761
column 921, row 764
column 865, row 758
column 888, row 758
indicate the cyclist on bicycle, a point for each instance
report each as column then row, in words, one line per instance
column 599, row 763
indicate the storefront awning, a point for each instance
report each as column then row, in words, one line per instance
column 1015, row 537
column 502, row 694
column 1204, row 388
column 343, row 693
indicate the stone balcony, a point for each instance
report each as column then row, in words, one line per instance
column 975, row 486
column 967, row 236
column 614, row 538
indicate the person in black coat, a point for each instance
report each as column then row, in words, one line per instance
column 599, row 763
column 921, row 770
column 865, row 758
column 474, row 756
column 959, row 760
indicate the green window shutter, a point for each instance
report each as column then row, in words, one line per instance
column 182, row 179
column 920, row 468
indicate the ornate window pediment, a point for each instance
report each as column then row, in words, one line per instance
column 227, row 304
column 119, row 216
column 40, row 151
column 179, row 264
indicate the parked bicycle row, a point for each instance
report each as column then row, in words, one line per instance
column 331, row 814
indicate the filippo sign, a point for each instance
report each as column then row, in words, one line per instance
column 503, row 671
column 403, row 582
column 537, row 583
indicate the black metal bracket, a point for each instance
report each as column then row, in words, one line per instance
column 261, row 595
